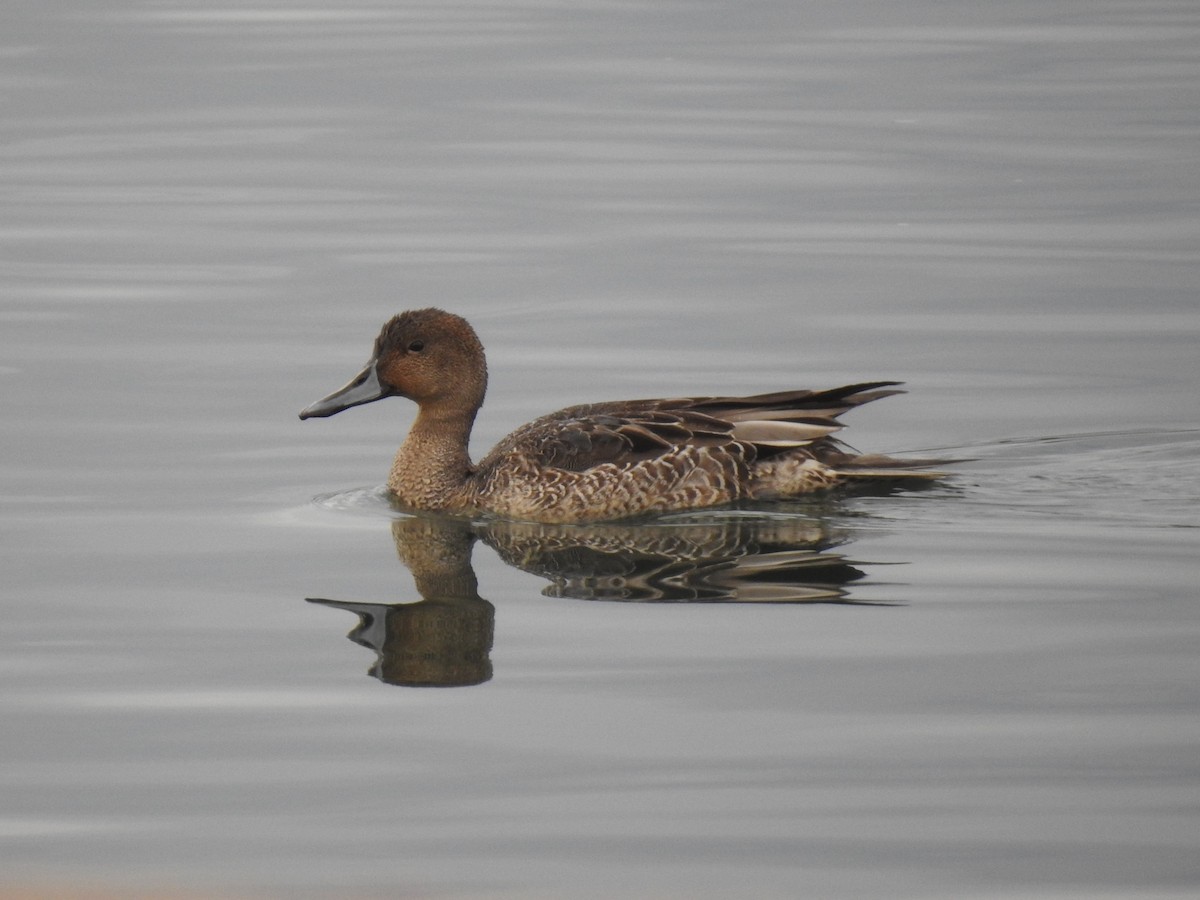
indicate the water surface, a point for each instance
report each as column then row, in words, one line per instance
column 984, row 689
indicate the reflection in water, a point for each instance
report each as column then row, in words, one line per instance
column 736, row 559
column 445, row 638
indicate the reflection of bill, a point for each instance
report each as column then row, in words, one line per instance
column 445, row 639
column 433, row 643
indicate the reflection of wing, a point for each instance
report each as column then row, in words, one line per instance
column 738, row 559
column 634, row 431
column 446, row 638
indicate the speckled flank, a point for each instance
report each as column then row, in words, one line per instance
column 791, row 476
column 687, row 478
column 600, row 461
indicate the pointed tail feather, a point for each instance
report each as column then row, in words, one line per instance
column 878, row 466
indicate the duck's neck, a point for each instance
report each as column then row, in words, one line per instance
column 433, row 467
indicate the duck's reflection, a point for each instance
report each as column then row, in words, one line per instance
column 445, row 639
column 737, row 559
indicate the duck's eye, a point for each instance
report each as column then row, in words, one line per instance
column 416, row 346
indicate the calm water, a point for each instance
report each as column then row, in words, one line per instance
column 985, row 689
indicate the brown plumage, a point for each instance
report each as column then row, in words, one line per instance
column 602, row 460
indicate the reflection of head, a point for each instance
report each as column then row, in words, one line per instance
column 446, row 638
column 436, row 644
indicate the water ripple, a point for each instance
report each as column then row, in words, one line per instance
column 1146, row 478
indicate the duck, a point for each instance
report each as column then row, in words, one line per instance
column 600, row 461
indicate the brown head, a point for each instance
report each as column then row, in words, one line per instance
column 428, row 355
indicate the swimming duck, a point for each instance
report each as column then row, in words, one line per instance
column 599, row 461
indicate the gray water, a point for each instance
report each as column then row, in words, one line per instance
column 985, row 689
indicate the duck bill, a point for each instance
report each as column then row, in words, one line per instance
column 363, row 388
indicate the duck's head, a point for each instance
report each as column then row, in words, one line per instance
column 428, row 355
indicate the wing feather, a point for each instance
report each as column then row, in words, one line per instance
column 634, row 431
column 775, row 433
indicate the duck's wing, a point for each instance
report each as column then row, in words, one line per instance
column 789, row 420
column 794, row 406
column 634, row 431
column 582, row 437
